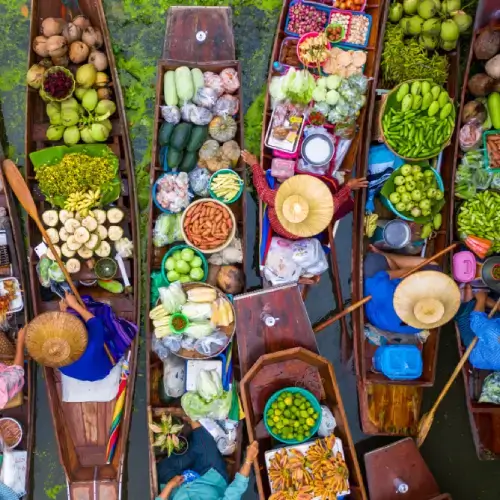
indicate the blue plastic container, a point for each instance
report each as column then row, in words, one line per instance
column 317, row 7
column 361, row 45
column 399, row 362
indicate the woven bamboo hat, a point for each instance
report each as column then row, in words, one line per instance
column 427, row 299
column 56, row 339
column 304, row 205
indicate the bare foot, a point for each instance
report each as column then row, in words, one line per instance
column 374, row 249
column 468, row 295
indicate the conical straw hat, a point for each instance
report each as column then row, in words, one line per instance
column 427, row 299
column 304, row 205
column 56, row 339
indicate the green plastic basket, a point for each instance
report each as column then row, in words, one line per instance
column 314, row 403
column 181, row 316
column 226, row 171
column 485, row 151
column 181, row 247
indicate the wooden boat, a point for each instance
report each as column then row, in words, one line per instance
column 214, row 52
column 400, row 466
column 22, row 407
column 484, row 417
column 378, row 10
column 277, row 349
column 82, row 429
column 386, row 406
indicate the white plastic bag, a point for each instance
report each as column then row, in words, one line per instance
column 174, row 376
column 211, row 345
column 328, row 422
column 309, row 254
column 280, row 266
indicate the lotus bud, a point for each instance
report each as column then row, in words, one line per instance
column 40, row 46
column 34, row 76
column 55, row 132
column 52, row 26
column 71, row 135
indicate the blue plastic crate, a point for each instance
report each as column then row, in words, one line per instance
column 317, row 7
column 355, row 45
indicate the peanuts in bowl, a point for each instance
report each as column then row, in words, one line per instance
column 208, row 225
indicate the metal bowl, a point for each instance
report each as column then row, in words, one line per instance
column 325, row 138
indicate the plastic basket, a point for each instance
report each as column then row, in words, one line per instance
column 236, row 197
column 317, row 7
column 286, row 41
column 182, row 247
column 358, row 14
column 345, row 46
column 485, row 151
column 362, row 9
column 314, row 403
column 155, row 189
column 302, row 39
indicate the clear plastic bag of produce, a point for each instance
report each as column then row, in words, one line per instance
column 200, row 116
column 161, row 350
column 279, row 266
column 171, row 114
column 212, row 344
column 173, row 342
column 473, row 159
column 482, row 178
column 196, row 407
column 199, row 179
column 188, row 343
column 226, row 105
column 214, row 82
column 186, row 111
column 230, row 80
column 359, row 82
column 205, row 97
column 328, row 422
column 309, row 254
column 322, row 107
column 174, row 376
column 42, row 269
column 495, row 181
column 167, row 230
column 470, row 135
column 172, row 297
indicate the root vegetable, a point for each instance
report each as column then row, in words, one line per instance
column 40, row 46
column 81, row 21
column 92, row 37
column 487, row 44
column 78, row 52
column 493, row 67
column 52, row 26
column 480, row 85
column 99, row 60
column 72, row 32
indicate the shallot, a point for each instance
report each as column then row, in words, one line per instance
column 305, row 18
column 172, row 192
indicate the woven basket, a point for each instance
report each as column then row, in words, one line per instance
column 56, row 339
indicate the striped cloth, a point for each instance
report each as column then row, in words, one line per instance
column 7, row 493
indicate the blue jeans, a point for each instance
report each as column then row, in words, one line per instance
column 201, row 456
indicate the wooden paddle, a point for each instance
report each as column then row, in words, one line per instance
column 364, row 300
column 22, row 192
column 426, row 421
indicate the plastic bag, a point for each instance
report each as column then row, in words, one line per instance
column 214, row 82
column 42, row 269
column 167, row 230
column 230, row 80
column 160, row 349
column 199, row 329
column 212, row 344
column 470, row 135
column 174, row 376
column 328, row 422
column 186, row 111
column 225, row 438
column 490, row 392
column 226, row 105
column 199, row 179
column 172, row 342
column 209, row 384
column 482, row 178
column 55, row 273
column 232, row 254
column 279, row 266
column 173, row 297
column 495, row 181
column 196, row 311
column 310, row 256
column 480, row 246
column 205, row 97
column 196, row 407
column 200, row 116
column 209, row 150
column 359, row 82
column 171, row 114
column 188, row 343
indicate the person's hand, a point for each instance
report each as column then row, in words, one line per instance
column 70, row 301
column 252, row 452
column 481, row 297
column 249, row 158
column 175, row 482
column 356, row 184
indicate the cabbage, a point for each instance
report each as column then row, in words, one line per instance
column 321, row 82
column 196, row 407
column 167, row 229
column 173, row 297
column 300, row 89
column 322, row 107
column 332, row 97
column 276, row 88
column 209, row 385
column 199, row 330
column 197, row 311
column 333, row 82
column 319, row 94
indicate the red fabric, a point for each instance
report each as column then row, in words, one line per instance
column 342, row 201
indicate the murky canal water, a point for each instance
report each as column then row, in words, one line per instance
column 137, row 29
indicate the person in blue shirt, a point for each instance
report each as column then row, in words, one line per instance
column 203, row 457
column 94, row 364
column 382, row 274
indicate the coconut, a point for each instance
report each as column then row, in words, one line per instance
column 492, row 67
column 86, row 135
column 78, row 52
column 57, row 46
column 480, row 85
column 52, row 26
column 415, row 25
column 474, row 110
column 449, row 31
column 81, row 21
column 86, row 75
column 34, row 76
column 99, row 60
column 448, row 46
column 410, row 7
column 404, row 24
column 395, row 12
column 61, row 61
column 449, row 6
column 427, row 9
column 92, row 37
column 40, row 46
column 487, row 44
column 99, row 132
column 462, row 20
column 72, row 32
column 428, row 42
column 431, row 27
column 89, row 100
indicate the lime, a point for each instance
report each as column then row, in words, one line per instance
column 289, row 401
column 296, row 402
column 196, row 274
column 315, row 416
column 279, row 425
column 281, row 405
column 304, row 414
column 187, row 254
column 270, row 423
column 294, row 410
column 196, row 262
column 301, row 421
column 274, row 405
column 170, row 264
column 310, row 422
column 277, row 412
column 182, row 267
column 176, row 255
column 300, row 437
column 286, row 421
column 308, row 405
column 286, row 430
column 276, row 418
column 290, row 436
column 296, row 424
column 310, row 411
column 302, row 406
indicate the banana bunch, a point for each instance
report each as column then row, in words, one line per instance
column 82, row 201
column 370, row 224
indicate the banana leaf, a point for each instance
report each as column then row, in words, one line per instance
column 389, row 188
column 110, row 191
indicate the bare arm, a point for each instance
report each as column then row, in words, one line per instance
column 70, row 301
column 19, row 358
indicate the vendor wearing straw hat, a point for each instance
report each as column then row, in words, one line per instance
column 303, row 205
column 12, row 376
column 424, row 300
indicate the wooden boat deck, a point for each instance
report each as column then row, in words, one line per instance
column 82, row 428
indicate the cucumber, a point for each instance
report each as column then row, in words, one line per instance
column 189, row 161
column 169, row 92
column 494, row 109
column 174, row 157
column 180, row 136
column 165, row 133
column 199, row 135
column 112, row 286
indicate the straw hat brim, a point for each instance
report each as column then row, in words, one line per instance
column 56, row 339
column 426, row 285
column 319, row 202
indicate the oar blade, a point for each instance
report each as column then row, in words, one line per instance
column 19, row 187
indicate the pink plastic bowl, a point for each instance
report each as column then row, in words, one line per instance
column 464, row 266
column 302, row 39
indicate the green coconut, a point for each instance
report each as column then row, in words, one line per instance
column 410, row 7
column 427, row 9
column 428, row 42
column 431, row 27
column 462, row 20
column 415, row 25
column 395, row 12
column 449, row 31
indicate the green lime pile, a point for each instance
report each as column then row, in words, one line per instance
column 184, row 266
column 291, row 416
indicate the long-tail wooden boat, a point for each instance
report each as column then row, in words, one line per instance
column 278, row 349
column 82, row 429
column 22, row 407
column 397, row 469
column 213, row 50
column 378, row 10
column 484, row 417
column 386, row 406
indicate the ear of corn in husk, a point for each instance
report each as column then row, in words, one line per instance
column 222, row 313
column 162, row 331
column 201, row 294
column 158, row 312
column 161, row 322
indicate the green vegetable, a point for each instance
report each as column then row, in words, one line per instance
column 436, row 91
column 165, row 133
column 209, row 385
column 196, row 274
column 438, row 220
column 184, row 84
column 174, row 157
column 407, row 102
column 170, row 264
column 196, row 407
column 169, row 92
column 494, row 109
column 196, row 262
column 417, row 102
column 402, row 92
column 187, row 254
column 445, row 111
column 199, row 330
column 433, row 108
column 180, row 136
column 443, row 98
column 112, row 286
column 188, row 162
column 416, row 87
column 198, row 80
column 426, row 231
column 426, row 101
column 198, row 136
